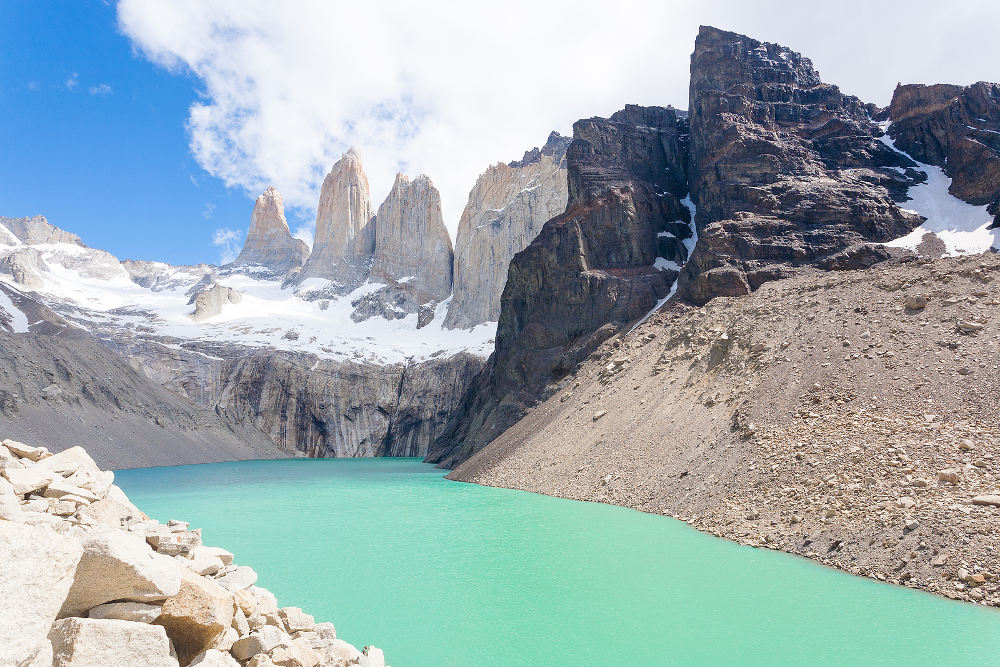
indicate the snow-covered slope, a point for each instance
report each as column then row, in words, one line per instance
column 92, row 288
column 962, row 227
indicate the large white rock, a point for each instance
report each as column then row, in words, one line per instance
column 117, row 565
column 36, row 572
column 225, row 556
column 88, row 642
column 10, row 504
column 60, row 487
column 197, row 616
column 240, row 578
column 116, row 494
column 28, row 480
column 295, row 620
column 100, row 482
column 70, row 461
column 110, row 513
column 140, row 612
column 202, row 562
column 213, row 658
column 26, row 451
column 372, row 657
column 9, row 459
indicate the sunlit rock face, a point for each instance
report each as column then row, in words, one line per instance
column 269, row 242
column 345, row 236
column 413, row 255
column 506, row 210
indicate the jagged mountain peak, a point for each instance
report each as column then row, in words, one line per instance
column 269, row 241
column 36, row 229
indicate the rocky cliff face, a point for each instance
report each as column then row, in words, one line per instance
column 589, row 271
column 318, row 407
column 61, row 385
column 507, row 207
column 345, row 236
column 786, row 171
column 37, row 230
column 956, row 128
column 413, row 254
column 208, row 302
column 269, row 242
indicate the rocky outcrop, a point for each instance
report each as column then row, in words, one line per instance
column 62, row 385
column 37, row 230
column 319, row 407
column 173, row 606
column 26, row 266
column 590, row 270
column 159, row 276
column 345, row 236
column 956, row 128
column 269, row 242
column 208, row 302
column 506, row 210
column 412, row 245
column 786, row 170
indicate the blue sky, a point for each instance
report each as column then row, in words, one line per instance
column 111, row 165
column 149, row 126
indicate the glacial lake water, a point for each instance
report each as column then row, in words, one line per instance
column 436, row 573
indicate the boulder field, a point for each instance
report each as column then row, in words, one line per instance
column 88, row 580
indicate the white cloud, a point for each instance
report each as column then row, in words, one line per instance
column 72, row 81
column 446, row 89
column 229, row 242
column 208, row 211
column 101, row 89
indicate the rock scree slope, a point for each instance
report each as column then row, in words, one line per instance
column 848, row 417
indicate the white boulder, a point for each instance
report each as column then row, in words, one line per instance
column 140, row 612
column 36, row 573
column 88, row 642
column 117, row 565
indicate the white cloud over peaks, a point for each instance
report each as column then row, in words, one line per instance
column 229, row 241
column 447, row 88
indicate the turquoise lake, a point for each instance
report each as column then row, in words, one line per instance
column 436, row 572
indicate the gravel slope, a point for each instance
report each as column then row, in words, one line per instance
column 820, row 415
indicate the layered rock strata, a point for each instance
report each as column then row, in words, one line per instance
column 956, row 128
column 590, row 270
column 88, row 579
column 345, row 236
column 506, row 210
column 269, row 242
column 786, row 171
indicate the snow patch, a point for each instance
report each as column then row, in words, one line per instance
column 18, row 320
column 663, row 264
column 964, row 228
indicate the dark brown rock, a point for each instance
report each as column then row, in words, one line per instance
column 786, row 171
column 956, row 128
column 588, row 273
